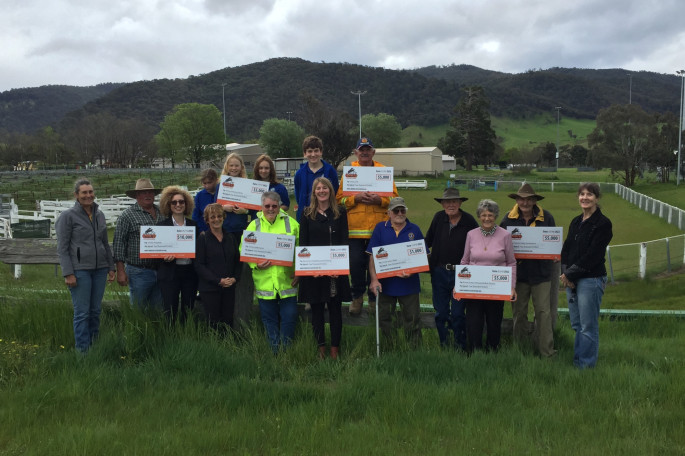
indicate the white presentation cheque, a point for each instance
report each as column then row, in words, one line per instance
column 483, row 282
column 537, row 242
column 246, row 193
column 395, row 259
column 372, row 179
column 163, row 241
column 258, row 247
column 322, row 260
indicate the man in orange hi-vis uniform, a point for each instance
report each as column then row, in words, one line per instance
column 364, row 211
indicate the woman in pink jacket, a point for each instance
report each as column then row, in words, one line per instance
column 488, row 245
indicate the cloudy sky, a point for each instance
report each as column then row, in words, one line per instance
column 86, row 42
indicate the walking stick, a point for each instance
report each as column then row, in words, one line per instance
column 378, row 338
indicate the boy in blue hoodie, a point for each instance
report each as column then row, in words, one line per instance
column 314, row 167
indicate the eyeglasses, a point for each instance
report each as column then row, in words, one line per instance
column 399, row 210
column 270, row 206
column 178, row 202
column 216, row 217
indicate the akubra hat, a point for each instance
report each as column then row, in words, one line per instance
column 450, row 194
column 526, row 191
column 143, row 185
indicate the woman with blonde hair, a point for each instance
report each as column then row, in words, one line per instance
column 218, row 266
column 324, row 222
column 176, row 276
column 264, row 170
column 236, row 218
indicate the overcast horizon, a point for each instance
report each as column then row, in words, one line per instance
column 62, row 43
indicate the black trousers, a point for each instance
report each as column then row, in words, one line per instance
column 219, row 306
column 183, row 284
column 359, row 267
column 479, row 312
column 334, row 318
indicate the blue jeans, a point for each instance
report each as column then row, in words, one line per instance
column 279, row 317
column 87, row 299
column 449, row 313
column 143, row 288
column 583, row 310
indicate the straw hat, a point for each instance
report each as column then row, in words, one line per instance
column 143, row 185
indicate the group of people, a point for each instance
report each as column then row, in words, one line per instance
column 326, row 216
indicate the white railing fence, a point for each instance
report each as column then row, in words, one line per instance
column 628, row 261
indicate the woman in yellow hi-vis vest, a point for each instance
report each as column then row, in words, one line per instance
column 275, row 285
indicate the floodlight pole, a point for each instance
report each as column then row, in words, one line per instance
column 223, row 101
column 681, row 73
column 359, row 93
column 288, row 112
column 558, row 108
column 630, row 89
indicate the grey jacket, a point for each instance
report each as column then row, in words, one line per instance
column 82, row 243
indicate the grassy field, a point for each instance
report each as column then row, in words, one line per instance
column 515, row 132
column 148, row 389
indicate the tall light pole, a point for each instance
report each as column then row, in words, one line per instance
column 630, row 89
column 558, row 108
column 359, row 93
column 681, row 73
column 223, row 101
column 288, row 112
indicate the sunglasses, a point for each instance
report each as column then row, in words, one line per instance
column 399, row 210
column 270, row 206
column 178, row 203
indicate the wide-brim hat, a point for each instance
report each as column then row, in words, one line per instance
column 526, row 191
column 450, row 194
column 143, row 185
column 397, row 202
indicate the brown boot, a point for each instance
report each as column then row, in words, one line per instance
column 334, row 352
column 356, row 305
column 322, row 352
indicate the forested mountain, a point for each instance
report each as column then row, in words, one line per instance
column 26, row 110
column 273, row 88
column 580, row 92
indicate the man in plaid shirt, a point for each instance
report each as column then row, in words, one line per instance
column 139, row 274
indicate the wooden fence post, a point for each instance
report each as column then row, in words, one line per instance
column 642, row 271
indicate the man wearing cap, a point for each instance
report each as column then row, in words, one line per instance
column 139, row 274
column 446, row 238
column 404, row 289
column 532, row 276
column 364, row 211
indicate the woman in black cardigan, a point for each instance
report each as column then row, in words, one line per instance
column 218, row 267
column 324, row 223
column 176, row 276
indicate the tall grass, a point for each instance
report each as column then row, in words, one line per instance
column 147, row 388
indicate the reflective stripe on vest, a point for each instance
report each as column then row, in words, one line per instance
column 286, row 219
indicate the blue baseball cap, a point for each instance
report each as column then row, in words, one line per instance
column 364, row 142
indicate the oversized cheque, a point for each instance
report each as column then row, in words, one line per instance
column 395, row 259
column 537, row 242
column 246, row 193
column 483, row 282
column 259, row 246
column 327, row 260
column 162, row 241
column 372, row 179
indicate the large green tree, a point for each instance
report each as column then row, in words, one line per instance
column 665, row 144
column 621, row 139
column 189, row 132
column 471, row 137
column 383, row 129
column 281, row 138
